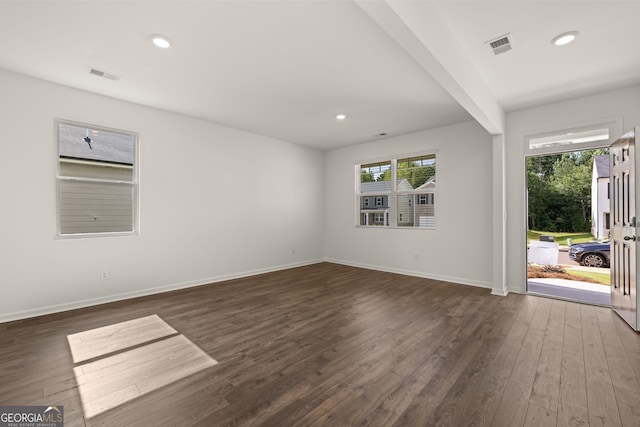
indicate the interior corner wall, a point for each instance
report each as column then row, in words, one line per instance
column 460, row 248
column 215, row 203
column 623, row 103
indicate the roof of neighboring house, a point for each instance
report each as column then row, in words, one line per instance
column 431, row 183
column 384, row 186
column 111, row 147
column 405, row 185
column 601, row 166
column 376, row 186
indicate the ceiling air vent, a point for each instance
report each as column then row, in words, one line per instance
column 104, row 74
column 501, row 44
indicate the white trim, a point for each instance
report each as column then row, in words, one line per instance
column 95, row 163
column 41, row 311
column 95, row 235
column 499, row 216
column 58, row 308
column 394, row 227
column 452, row 280
column 135, row 183
column 613, row 124
column 392, row 196
column 99, row 180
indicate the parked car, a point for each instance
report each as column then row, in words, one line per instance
column 592, row 254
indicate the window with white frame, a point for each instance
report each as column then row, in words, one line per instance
column 97, row 180
column 575, row 137
column 402, row 191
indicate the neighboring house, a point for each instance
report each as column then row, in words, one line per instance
column 405, row 204
column 415, row 206
column 425, row 200
column 374, row 208
column 96, row 170
column 600, row 217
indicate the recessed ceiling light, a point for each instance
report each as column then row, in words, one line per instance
column 564, row 38
column 340, row 117
column 161, row 41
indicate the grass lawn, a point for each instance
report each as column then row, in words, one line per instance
column 568, row 274
column 603, row 278
column 560, row 238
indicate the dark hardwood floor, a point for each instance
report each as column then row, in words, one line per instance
column 339, row 346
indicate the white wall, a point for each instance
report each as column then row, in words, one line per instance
column 460, row 249
column 215, row 203
column 622, row 102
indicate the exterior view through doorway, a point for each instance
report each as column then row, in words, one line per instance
column 568, row 225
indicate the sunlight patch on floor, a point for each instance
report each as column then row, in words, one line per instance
column 100, row 342
column 117, row 363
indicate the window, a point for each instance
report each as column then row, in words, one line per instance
column 97, row 180
column 569, row 138
column 579, row 136
column 403, row 191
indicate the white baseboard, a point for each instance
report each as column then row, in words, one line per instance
column 41, row 311
column 451, row 279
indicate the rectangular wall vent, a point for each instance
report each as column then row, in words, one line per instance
column 104, row 74
column 501, row 44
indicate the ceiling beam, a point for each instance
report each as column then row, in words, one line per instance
column 418, row 28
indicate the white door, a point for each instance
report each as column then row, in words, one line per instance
column 623, row 229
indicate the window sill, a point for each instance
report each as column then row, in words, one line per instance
column 388, row 227
column 95, row 235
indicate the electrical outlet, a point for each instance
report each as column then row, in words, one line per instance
column 416, row 257
column 293, row 251
column 104, row 275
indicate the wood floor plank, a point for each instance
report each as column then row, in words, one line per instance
column 109, row 382
column 618, row 360
column 524, row 370
column 513, row 406
column 483, row 409
column 629, row 405
column 630, row 341
column 572, row 336
column 573, row 402
column 115, row 337
column 538, row 416
column 602, row 405
column 329, row 344
column 546, row 385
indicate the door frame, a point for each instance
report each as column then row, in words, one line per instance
column 615, row 127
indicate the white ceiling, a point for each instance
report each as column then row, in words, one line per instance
column 604, row 56
column 284, row 69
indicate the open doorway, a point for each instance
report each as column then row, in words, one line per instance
column 568, row 225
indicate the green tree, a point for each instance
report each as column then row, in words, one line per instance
column 572, row 179
column 559, row 191
column 385, row 176
column 366, row 177
column 416, row 173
